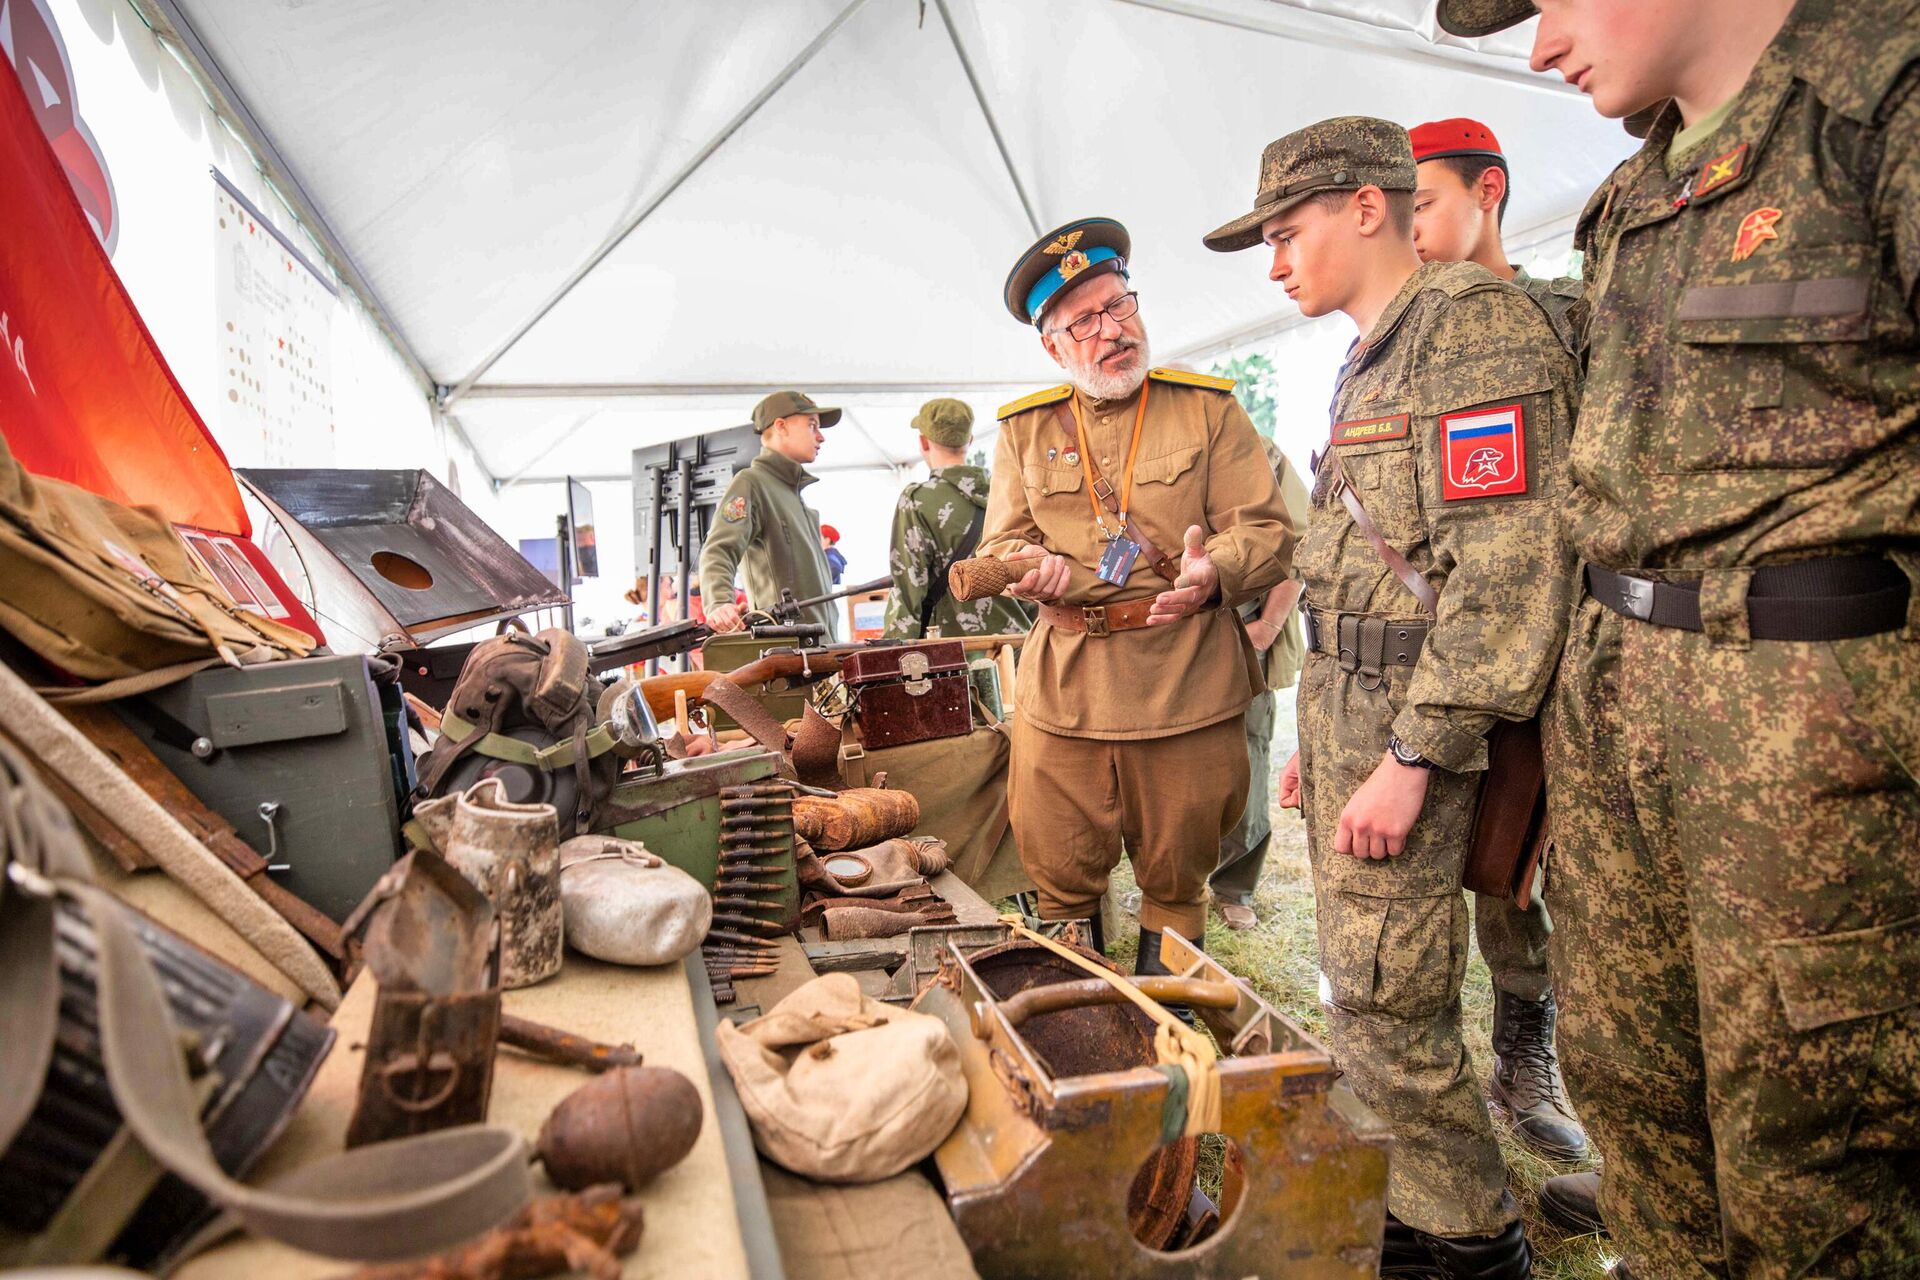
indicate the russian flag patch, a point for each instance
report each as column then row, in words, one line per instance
column 1484, row 452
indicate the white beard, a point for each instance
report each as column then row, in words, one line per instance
column 1097, row 384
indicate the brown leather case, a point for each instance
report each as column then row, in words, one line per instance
column 1509, row 832
column 909, row 692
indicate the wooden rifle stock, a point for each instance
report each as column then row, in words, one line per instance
column 789, row 664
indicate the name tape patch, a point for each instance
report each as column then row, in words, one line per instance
column 1368, row 430
column 1484, row 453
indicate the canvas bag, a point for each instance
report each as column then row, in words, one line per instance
column 841, row 1088
column 110, row 593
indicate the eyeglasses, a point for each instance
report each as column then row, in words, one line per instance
column 1121, row 308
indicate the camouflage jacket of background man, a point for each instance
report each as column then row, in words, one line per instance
column 929, row 523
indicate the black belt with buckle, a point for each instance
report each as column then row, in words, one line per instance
column 1836, row 598
column 1363, row 643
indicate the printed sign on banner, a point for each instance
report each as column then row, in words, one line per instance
column 273, row 316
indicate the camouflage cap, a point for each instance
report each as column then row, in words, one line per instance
column 1482, row 17
column 1341, row 154
column 945, row 421
column 784, row 404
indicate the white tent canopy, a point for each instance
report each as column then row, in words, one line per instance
column 593, row 225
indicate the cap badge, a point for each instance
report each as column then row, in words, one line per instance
column 1062, row 244
column 1755, row 228
column 1073, row 264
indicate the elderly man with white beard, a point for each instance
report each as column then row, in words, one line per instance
column 1144, row 509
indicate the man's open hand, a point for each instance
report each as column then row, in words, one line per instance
column 1046, row 582
column 1194, row 589
column 1376, row 821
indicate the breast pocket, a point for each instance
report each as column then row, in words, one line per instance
column 1172, row 487
column 1053, row 490
column 1384, row 477
column 1773, row 373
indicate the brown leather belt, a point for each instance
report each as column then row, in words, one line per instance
column 1832, row 598
column 1364, row 643
column 1098, row 619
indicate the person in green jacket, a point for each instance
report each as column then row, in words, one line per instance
column 764, row 526
column 938, row 521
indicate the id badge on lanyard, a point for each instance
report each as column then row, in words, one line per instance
column 1116, row 562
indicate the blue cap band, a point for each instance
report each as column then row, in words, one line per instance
column 1071, row 265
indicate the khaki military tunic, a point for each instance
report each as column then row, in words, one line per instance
column 1199, row 463
column 1736, row 884
column 1133, row 739
column 764, row 526
column 1451, row 422
column 929, row 523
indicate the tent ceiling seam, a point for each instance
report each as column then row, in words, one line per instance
column 646, row 210
column 986, row 112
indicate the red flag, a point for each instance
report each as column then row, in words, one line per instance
column 85, row 395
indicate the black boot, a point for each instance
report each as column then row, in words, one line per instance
column 1497, row 1257
column 1571, row 1202
column 1097, row 932
column 1403, row 1254
column 1148, row 962
column 1526, row 1077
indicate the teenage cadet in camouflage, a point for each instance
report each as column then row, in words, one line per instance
column 1457, row 211
column 1276, row 637
column 766, row 526
column 1734, row 737
column 1132, row 686
column 1451, row 419
column 936, row 522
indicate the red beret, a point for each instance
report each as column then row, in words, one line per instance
column 1459, row 137
column 830, row 533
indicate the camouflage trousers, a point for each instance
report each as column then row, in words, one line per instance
column 1514, row 945
column 1243, row 850
column 1393, row 949
column 1736, row 902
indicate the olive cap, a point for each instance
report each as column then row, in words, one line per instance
column 945, row 421
column 784, row 404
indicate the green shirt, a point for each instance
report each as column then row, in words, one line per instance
column 929, row 522
column 765, row 527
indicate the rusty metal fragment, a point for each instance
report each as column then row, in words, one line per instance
column 629, row 1126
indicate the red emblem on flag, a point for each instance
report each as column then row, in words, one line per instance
column 1484, row 453
column 1755, row 228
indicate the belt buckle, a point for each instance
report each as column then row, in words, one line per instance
column 1096, row 618
column 1312, row 629
column 1636, row 597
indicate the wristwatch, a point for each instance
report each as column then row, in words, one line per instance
column 1406, row 755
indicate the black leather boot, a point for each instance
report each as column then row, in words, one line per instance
column 1148, row 963
column 1526, row 1077
column 1403, row 1254
column 1504, row 1256
column 1571, row 1202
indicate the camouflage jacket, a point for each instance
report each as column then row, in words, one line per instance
column 1451, row 422
column 764, row 526
column 1281, row 663
column 929, row 521
column 1557, row 297
column 1753, row 361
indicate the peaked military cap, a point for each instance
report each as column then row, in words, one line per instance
column 784, row 404
column 1341, row 154
column 1077, row 252
column 945, row 421
column 1482, row 17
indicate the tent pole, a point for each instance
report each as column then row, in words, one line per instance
column 986, row 110
column 700, row 157
column 1315, row 28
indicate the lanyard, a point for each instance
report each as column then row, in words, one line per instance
column 1126, row 481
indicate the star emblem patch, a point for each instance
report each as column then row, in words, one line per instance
column 1073, row 264
column 1755, row 229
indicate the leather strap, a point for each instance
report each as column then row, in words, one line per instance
column 1410, row 578
column 814, row 755
column 1367, row 637
column 125, row 686
column 387, row 1201
column 1098, row 620
column 1833, row 598
column 749, row 713
column 1156, row 558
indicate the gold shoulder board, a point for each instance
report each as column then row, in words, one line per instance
column 1034, row 401
column 1181, row 376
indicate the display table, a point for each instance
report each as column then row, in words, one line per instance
column 693, row 1216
